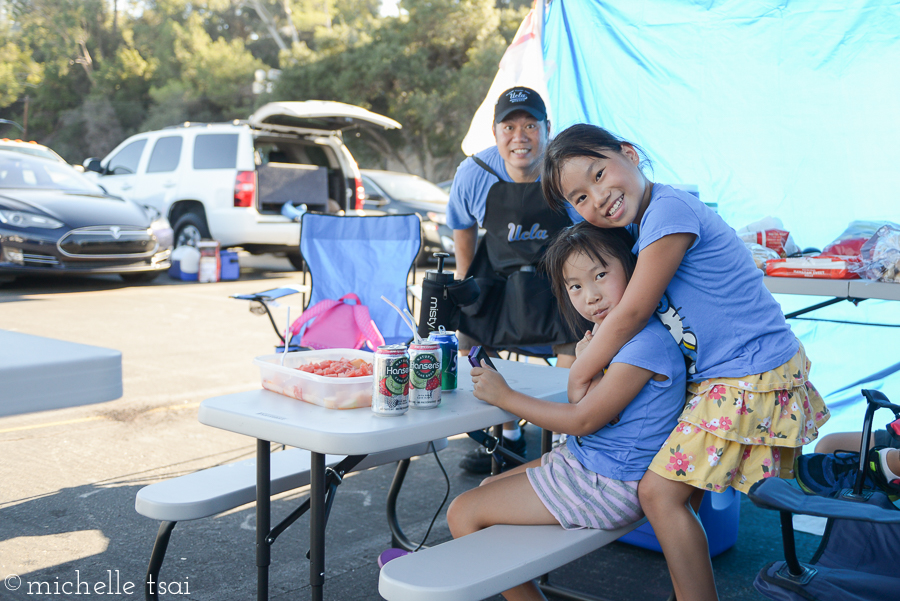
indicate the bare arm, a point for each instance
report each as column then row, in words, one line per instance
column 465, row 241
column 656, row 265
column 599, row 407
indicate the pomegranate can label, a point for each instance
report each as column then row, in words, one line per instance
column 390, row 395
column 425, row 375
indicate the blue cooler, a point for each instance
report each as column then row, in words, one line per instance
column 720, row 513
column 229, row 267
column 176, row 274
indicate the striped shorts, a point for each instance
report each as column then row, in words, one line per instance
column 579, row 498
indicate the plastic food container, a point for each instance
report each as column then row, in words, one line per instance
column 332, row 393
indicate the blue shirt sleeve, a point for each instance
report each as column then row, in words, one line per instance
column 667, row 214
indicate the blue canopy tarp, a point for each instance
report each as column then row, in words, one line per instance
column 783, row 108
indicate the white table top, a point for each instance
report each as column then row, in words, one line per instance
column 37, row 374
column 277, row 418
column 834, row 288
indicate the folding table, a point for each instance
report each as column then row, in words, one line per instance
column 270, row 417
column 38, row 374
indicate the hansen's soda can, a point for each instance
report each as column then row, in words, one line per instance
column 424, row 374
column 449, row 351
column 390, row 393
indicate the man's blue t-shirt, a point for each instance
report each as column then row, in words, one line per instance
column 624, row 450
column 716, row 305
column 468, row 194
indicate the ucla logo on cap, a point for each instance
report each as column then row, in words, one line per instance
column 517, row 96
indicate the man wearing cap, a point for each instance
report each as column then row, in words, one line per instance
column 498, row 189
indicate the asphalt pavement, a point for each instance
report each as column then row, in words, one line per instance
column 68, row 478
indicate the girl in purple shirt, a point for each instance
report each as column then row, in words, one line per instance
column 615, row 429
column 750, row 406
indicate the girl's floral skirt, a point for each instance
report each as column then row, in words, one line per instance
column 736, row 431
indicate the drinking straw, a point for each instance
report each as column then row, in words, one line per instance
column 288, row 334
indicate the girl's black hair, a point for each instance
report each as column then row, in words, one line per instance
column 582, row 140
column 601, row 244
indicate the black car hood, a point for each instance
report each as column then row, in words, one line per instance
column 75, row 210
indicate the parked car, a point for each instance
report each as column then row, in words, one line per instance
column 393, row 192
column 54, row 220
column 230, row 181
column 32, row 148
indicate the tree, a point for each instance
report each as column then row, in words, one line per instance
column 428, row 69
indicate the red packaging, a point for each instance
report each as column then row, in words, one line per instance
column 774, row 239
column 845, row 248
column 820, row 267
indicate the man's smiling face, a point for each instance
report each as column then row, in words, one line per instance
column 521, row 140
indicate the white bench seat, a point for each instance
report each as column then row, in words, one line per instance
column 488, row 562
column 217, row 489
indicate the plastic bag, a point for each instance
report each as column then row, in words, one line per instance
column 769, row 232
column 880, row 255
column 761, row 254
column 851, row 240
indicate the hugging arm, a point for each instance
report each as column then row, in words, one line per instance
column 611, row 394
column 656, row 265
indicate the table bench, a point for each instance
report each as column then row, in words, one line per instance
column 213, row 490
column 488, row 562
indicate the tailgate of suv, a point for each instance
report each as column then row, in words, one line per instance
column 280, row 183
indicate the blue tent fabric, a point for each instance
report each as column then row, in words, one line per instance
column 782, row 108
column 771, row 107
column 369, row 256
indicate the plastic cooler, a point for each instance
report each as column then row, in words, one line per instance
column 229, row 267
column 720, row 514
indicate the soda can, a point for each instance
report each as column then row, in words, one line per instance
column 449, row 351
column 390, row 393
column 424, row 375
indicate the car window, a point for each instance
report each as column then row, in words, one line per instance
column 165, row 155
column 408, row 187
column 126, row 160
column 18, row 170
column 215, row 151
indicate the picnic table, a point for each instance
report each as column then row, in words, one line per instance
column 38, row 374
column 268, row 416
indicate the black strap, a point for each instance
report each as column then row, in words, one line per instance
column 484, row 166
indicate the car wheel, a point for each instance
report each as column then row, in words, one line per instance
column 296, row 260
column 190, row 229
column 141, row 277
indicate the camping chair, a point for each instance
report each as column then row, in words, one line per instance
column 857, row 558
column 370, row 256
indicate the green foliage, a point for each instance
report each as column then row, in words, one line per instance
column 96, row 71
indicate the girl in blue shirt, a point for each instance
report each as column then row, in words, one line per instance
column 615, row 430
column 750, row 406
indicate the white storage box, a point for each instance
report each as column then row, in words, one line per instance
column 332, row 393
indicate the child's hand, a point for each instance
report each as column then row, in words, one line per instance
column 582, row 344
column 489, row 386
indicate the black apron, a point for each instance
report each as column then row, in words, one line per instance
column 516, row 306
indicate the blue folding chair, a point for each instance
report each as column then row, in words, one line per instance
column 369, row 256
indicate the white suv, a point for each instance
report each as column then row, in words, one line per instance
column 230, row 181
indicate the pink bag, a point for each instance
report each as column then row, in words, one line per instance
column 343, row 323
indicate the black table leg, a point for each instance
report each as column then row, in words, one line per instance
column 263, row 518
column 317, row 526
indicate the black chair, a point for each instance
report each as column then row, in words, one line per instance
column 859, row 555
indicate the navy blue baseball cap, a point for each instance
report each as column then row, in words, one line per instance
column 520, row 99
